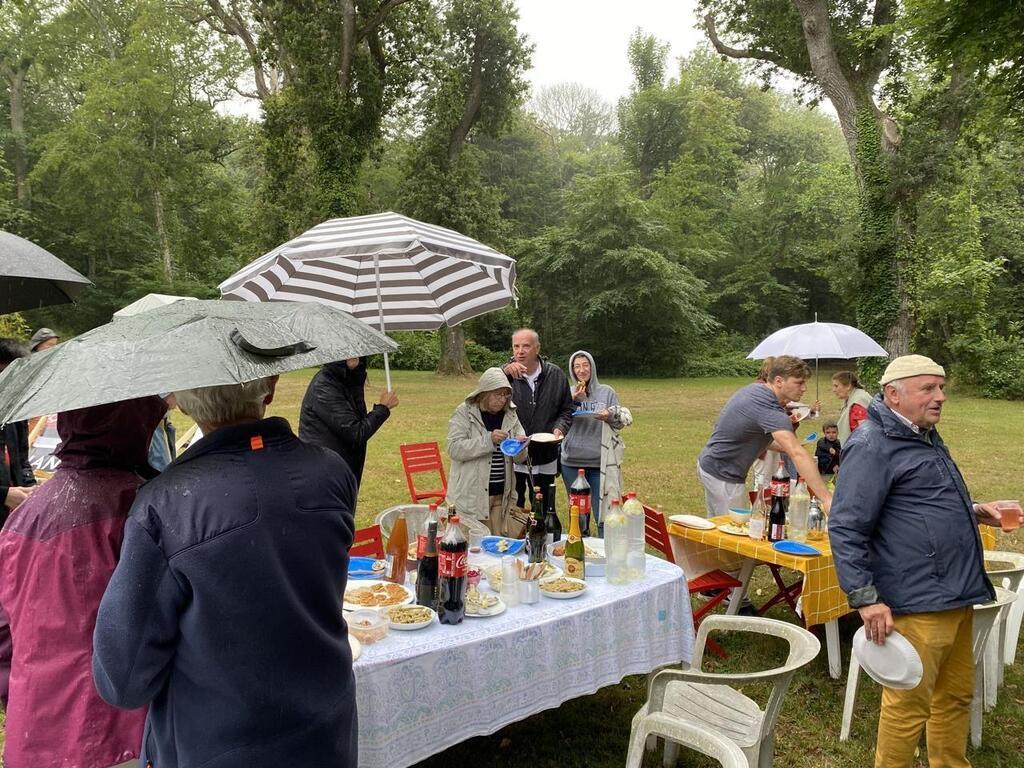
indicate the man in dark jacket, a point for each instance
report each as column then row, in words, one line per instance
column 334, row 414
column 224, row 613
column 16, row 478
column 544, row 403
column 904, row 535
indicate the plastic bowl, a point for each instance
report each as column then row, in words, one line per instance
column 739, row 516
column 367, row 626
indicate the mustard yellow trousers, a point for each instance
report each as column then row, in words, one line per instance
column 941, row 703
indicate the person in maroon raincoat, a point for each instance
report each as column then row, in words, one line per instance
column 58, row 550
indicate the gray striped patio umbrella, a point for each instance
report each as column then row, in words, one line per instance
column 385, row 269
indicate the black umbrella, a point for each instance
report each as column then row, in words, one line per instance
column 32, row 277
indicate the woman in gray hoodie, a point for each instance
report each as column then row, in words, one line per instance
column 593, row 444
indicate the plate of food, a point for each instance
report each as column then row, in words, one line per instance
column 364, row 568
column 502, row 545
column 406, row 618
column 734, row 530
column 593, row 551
column 692, row 521
column 481, row 605
column 562, row 587
column 381, row 594
column 545, row 437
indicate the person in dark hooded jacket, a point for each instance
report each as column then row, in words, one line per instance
column 57, row 553
column 334, row 414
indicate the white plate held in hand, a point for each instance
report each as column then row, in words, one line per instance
column 894, row 665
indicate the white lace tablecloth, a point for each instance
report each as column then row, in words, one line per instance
column 421, row 692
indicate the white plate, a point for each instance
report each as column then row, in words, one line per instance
column 411, row 627
column 494, row 610
column 733, row 530
column 594, row 566
column 544, row 437
column 894, row 665
column 562, row 595
column 692, row 521
column 409, row 596
column 800, row 410
column 357, row 647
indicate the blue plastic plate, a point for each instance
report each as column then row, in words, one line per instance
column 795, row 548
column 510, row 446
column 489, row 544
column 589, row 414
column 363, row 568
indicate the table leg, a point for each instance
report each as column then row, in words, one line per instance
column 835, row 663
column 736, row 598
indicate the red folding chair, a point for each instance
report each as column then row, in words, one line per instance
column 418, row 458
column 368, row 542
column 718, row 582
column 787, row 592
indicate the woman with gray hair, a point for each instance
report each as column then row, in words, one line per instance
column 480, row 482
column 232, row 572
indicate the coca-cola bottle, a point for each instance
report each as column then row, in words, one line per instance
column 780, row 502
column 427, row 571
column 579, row 496
column 421, row 537
column 452, row 564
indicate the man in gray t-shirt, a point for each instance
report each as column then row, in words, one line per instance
column 753, row 421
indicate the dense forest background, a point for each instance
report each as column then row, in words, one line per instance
column 667, row 233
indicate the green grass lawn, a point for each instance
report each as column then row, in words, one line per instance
column 672, row 419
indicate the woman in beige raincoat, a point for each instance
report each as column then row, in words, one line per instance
column 480, row 481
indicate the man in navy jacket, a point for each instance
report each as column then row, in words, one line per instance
column 224, row 613
column 904, row 535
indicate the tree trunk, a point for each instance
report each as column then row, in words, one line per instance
column 453, row 360
column 165, row 245
column 19, row 141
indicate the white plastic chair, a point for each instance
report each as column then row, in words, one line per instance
column 683, row 702
column 985, row 616
column 694, row 736
column 1001, row 648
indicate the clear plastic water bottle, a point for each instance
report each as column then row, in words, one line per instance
column 616, row 546
column 799, row 508
column 636, row 558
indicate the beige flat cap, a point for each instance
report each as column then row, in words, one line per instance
column 911, row 365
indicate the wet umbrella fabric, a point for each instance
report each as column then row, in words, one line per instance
column 182, row 345
column 32, row 277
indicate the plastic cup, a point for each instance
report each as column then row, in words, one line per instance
column 475, row 541
column 529, row 592
column 1010, row 513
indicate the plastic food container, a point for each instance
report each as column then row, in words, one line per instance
column 367, row 626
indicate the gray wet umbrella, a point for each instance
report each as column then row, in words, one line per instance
column 32, row 277
column 180, row 346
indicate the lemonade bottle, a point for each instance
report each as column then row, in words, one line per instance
column 616, row 545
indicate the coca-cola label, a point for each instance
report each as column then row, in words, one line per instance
column 421, row 545
column 452, row 564
column 780, row 489
column 581, row 501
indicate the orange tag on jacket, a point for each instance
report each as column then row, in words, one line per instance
column 256, row 442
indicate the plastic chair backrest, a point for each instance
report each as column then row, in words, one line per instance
column 803, row 649
column 656, row 533
column 367, row 543
column 985, row 616
column 423, row 457
column 1011, row 568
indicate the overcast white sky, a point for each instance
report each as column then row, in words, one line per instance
column 585, row 40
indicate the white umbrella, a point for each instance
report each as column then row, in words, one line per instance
column 829, row 341
column 386, row 269
column 148, row 302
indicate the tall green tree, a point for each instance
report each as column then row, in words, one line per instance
column 475, row 90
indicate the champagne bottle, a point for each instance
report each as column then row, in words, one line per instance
column 575, row 552
column 537, row 538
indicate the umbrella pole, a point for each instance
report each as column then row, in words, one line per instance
column 380, row 317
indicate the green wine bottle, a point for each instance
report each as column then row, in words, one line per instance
column 575, row 552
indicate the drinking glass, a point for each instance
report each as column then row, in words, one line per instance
column 1010, row 512
column 475, row 540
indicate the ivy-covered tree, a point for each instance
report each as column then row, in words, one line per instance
column 476, row 88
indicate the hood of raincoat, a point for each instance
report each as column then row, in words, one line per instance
column 492, row 378
column 114, row 436
column 350, row 377
column 593, row 384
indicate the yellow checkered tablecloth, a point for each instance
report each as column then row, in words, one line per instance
column 700, row 551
